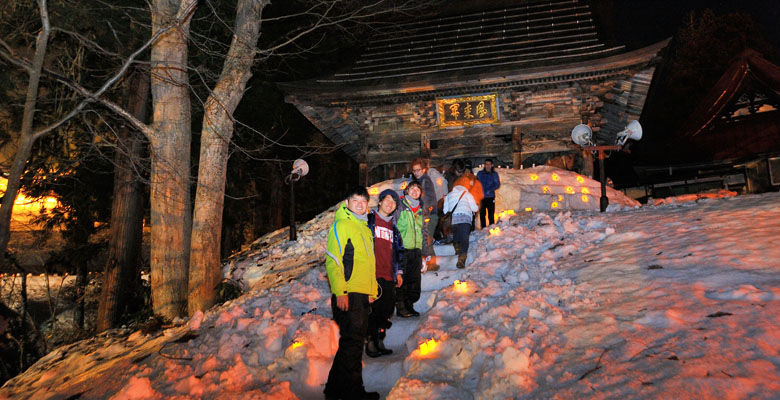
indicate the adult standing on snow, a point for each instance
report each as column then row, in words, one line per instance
column 351, row 270
column 388, row 249
column 463, row 207
column 413, row 235
column 431, row 203
column 490, row 183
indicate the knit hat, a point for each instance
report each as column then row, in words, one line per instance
column 388, row 192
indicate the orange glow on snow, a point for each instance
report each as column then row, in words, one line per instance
column 495, row 231
column 534, row 177
column 461, row 286
column 555, row 177
column 580, row 179
column 373, row 191
column 403, row 185
column 438, row 181
column 428, row 346
column 295, row 344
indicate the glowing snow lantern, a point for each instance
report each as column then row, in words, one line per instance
column 427, row 220
column 585, row 198
column 545, row 189
column 554, row 204
column 585, row 191
column 403, row 185
column 428, row 346
column 580, row 179
column 461, row 286
column 528, row 209
column 495, row 231
column 555, row 177
column 373, row 191
column 534, row 177
column 569, row 190
column 439, row 182
column 295, row 344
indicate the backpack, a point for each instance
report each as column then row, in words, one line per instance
column 445, row 222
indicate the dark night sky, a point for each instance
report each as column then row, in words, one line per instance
column 640, row 22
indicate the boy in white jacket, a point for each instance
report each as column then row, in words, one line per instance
column 463, row 207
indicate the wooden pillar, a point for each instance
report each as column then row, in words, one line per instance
column 587, row 164
column 363, row 160
column 517, row 147
column 425, row 145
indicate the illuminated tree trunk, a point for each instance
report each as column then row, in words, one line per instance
column 170, row 151
column 124, row 246
column 27, row 138
column 205, row 271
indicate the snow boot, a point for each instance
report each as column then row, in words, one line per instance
column 411, row 310
column 462, row 261
column 402, row 311
column 380, row 343
column 371, row 348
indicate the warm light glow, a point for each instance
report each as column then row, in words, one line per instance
column 545, row 189
column 528, row 209
column 585, row 198
column 495, row 231
column 295, row 344
column 554, row 204
column 439, row 182
column 373, row 191
column 534, row 177
column 555, row 177
column 427, row 220
column 510, row 212
column 585, row 191
column 461, row 286
column 428, row 346
column 580, row 179
column 560, row 197
column 403, row 185
column 569, row 190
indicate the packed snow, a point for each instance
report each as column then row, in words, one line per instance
column 673, row 300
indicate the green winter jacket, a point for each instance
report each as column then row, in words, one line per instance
column 410, row 224
column 350, row 256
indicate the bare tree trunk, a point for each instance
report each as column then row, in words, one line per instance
column 27, row 136
column 124, row 247
column 218, row 124
column 170, row 148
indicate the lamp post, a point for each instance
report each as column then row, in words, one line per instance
column 300, row 169
column 582, row 135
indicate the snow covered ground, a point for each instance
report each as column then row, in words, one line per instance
column 675, row 300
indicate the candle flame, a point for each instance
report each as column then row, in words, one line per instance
column 428, row 346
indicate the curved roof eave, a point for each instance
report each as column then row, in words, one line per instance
column 328, row 92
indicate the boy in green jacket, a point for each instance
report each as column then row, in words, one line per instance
column 351, row 270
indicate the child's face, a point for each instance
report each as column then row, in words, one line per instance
column 414, row 192
column 357, row 204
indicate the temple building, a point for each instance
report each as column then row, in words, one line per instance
column 508, row 83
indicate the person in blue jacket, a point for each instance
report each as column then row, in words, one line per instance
column 490, row 183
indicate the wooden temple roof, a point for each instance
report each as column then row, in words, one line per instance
column 543, row 59
column 531, row 34
column 740, row 116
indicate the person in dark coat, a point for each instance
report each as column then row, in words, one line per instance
column 490, row 183
column 388, row 249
